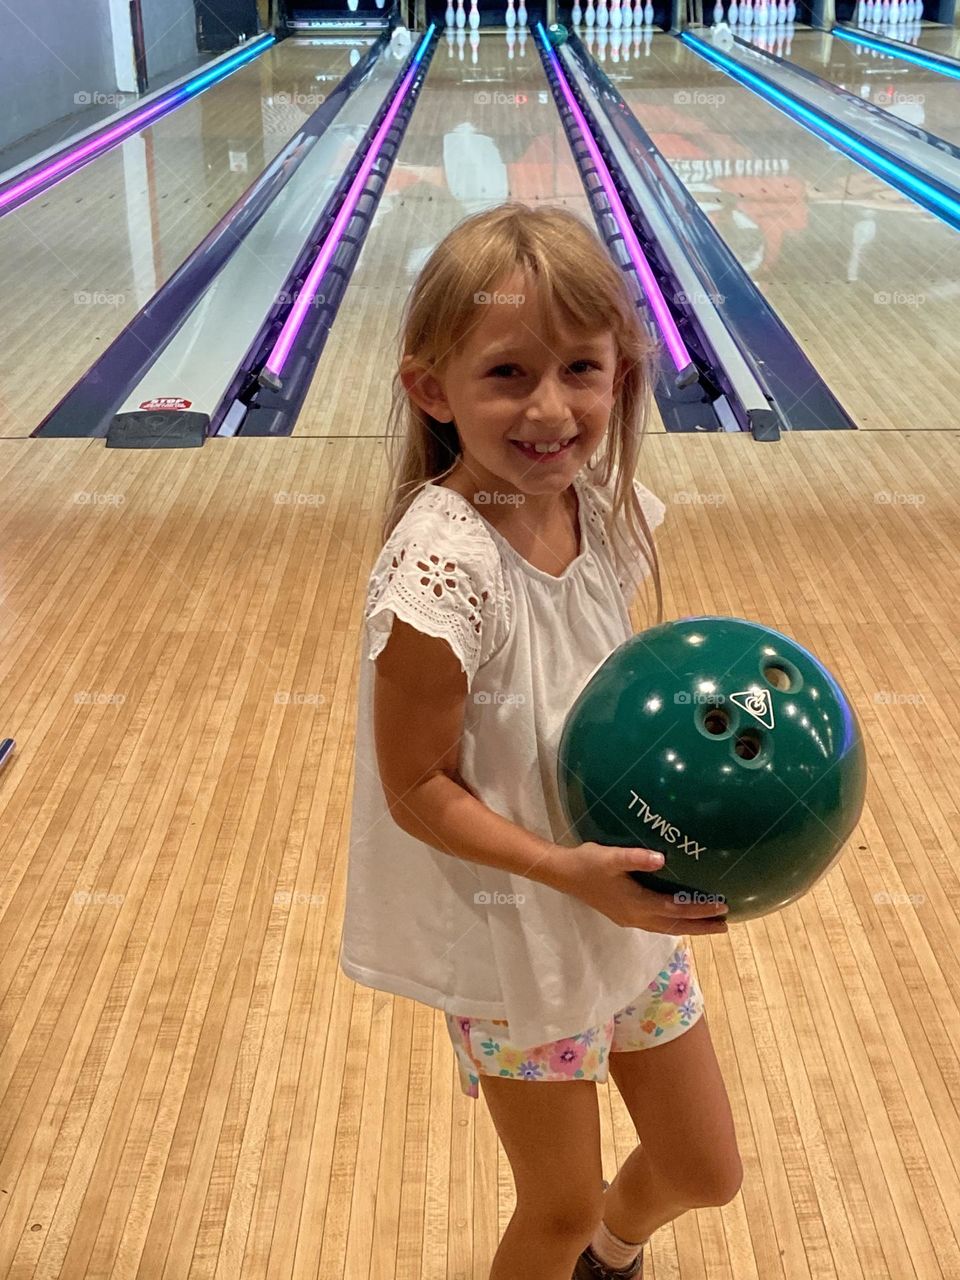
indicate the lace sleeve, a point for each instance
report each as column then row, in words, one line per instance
column 450, row 587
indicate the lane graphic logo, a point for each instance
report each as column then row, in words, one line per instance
column 160, row 403
column 756, row 703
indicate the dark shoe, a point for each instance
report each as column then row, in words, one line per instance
column 589, row 1267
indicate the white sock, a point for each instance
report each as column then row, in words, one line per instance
column 612, row 1251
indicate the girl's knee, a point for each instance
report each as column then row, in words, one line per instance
column 574, row 1219
column 714, row 1183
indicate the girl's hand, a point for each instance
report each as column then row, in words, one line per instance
column 597, row 875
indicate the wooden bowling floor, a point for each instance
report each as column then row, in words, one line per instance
column 189, row 1084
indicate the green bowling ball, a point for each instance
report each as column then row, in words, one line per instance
column 727, row 747
column 557, row 34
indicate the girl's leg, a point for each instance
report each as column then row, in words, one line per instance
column 688, row 1159
column 551, row 1134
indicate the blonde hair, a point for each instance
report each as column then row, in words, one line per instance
column 577, row 281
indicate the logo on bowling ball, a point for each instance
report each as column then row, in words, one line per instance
column 757, row 703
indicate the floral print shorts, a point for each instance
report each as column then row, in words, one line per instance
column 670, row 1005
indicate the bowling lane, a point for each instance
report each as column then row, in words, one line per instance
column 924, row 98
column 866, row 280
column 485, row 130
column 79, row 261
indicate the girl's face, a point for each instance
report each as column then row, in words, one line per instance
column 507, row 385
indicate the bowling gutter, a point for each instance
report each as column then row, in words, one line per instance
column 929, row 59
column 751, row 368
column 146, row 343
column 920, row 164
column 39, row 173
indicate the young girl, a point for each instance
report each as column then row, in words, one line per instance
column 503, row 584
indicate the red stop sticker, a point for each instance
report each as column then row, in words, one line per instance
column 166, row 402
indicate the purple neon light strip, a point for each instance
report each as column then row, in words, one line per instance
column 278, row 356
column 103, row 141
column 671, row 334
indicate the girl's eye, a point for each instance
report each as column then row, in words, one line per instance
column 582, row 365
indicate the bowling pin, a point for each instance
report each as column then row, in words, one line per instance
column 511, row 14
column 474, row 16
column 461, row 16
column 648, row 18
column 522, row 19
column 591, row 14
column 603, row 16
column 616, row 17
column 746, row 13
column 577, row 13
column 717, row 13
column 449, row 14
column 762, row 13
column 627, row 19
column 791, row 10
column 733, row 13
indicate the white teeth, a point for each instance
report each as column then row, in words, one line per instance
column 546, row 448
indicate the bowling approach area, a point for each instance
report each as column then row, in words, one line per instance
column 210, row 218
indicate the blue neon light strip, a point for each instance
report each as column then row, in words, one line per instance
column 923, row 193
column 71, row 161
column 893, row 51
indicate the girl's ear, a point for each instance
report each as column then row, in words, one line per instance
column 425, row 389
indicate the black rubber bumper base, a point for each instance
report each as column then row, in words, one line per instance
column 170, row 429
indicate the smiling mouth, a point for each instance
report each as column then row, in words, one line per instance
column 542, row 455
